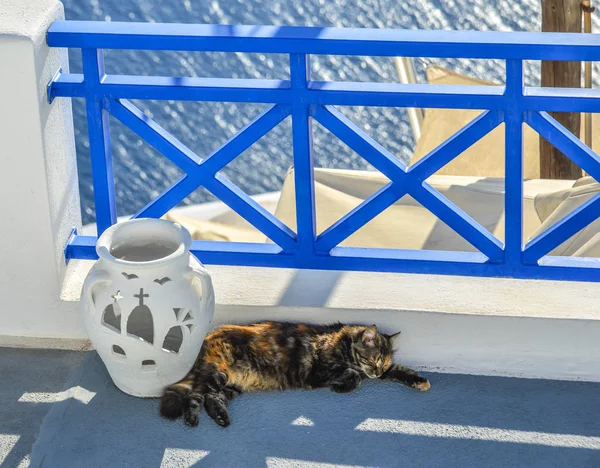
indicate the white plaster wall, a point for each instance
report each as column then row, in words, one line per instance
column 487, row 326
column 39, row 201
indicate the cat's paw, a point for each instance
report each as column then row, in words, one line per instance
column 222, row 419
column 191, row 418
column 421, row 384
column 171, row 406
column 217, row 410
column 347, row 383
column 192, row 407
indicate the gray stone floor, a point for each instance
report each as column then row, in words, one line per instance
column 30, row 381
column 464, row 421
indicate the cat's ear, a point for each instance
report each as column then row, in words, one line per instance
column 369, row 335
column 393, row 337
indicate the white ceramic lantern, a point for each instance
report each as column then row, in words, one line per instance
column 147, row 304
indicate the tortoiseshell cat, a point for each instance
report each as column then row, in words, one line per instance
column 279, row 356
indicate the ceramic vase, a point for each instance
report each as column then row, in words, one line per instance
column 147, row 304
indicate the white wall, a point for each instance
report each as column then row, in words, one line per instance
column 487, row 326
column 39, row 201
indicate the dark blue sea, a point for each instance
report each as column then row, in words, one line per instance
column 141, row 173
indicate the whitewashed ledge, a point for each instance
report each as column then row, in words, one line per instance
column 487, row 326
column 484, row 326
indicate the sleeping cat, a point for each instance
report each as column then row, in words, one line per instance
column 279, row 356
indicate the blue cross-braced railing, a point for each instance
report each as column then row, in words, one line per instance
column 304, row 100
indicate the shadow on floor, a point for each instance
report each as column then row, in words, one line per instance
column 30, row 380
column 463, row 421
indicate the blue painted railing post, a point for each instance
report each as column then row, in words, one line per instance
column 303, row 157
column 99, row 135
column 513, row 168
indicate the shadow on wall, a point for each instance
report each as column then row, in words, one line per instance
column 310, row 288
column 462, row 421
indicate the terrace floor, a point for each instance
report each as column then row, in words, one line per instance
column 463, row 421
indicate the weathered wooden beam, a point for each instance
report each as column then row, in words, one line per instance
column 587, row 10
column 560, row 16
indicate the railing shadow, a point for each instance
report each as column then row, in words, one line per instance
column 310, row 288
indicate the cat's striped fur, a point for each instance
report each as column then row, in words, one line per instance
column 279, row 356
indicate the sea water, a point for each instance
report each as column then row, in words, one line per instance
column 141, row 173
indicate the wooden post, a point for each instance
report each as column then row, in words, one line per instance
column 560, row 16
column 587, row 9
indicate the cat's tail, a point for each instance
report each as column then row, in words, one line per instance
column 171, row 403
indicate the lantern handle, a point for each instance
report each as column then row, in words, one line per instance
column 93, row 278
column 207, row 303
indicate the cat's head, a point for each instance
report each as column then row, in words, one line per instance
column 373, row 351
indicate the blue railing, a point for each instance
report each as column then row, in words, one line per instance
column 305, row 99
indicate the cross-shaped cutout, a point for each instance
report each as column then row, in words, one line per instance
column 141, row 296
